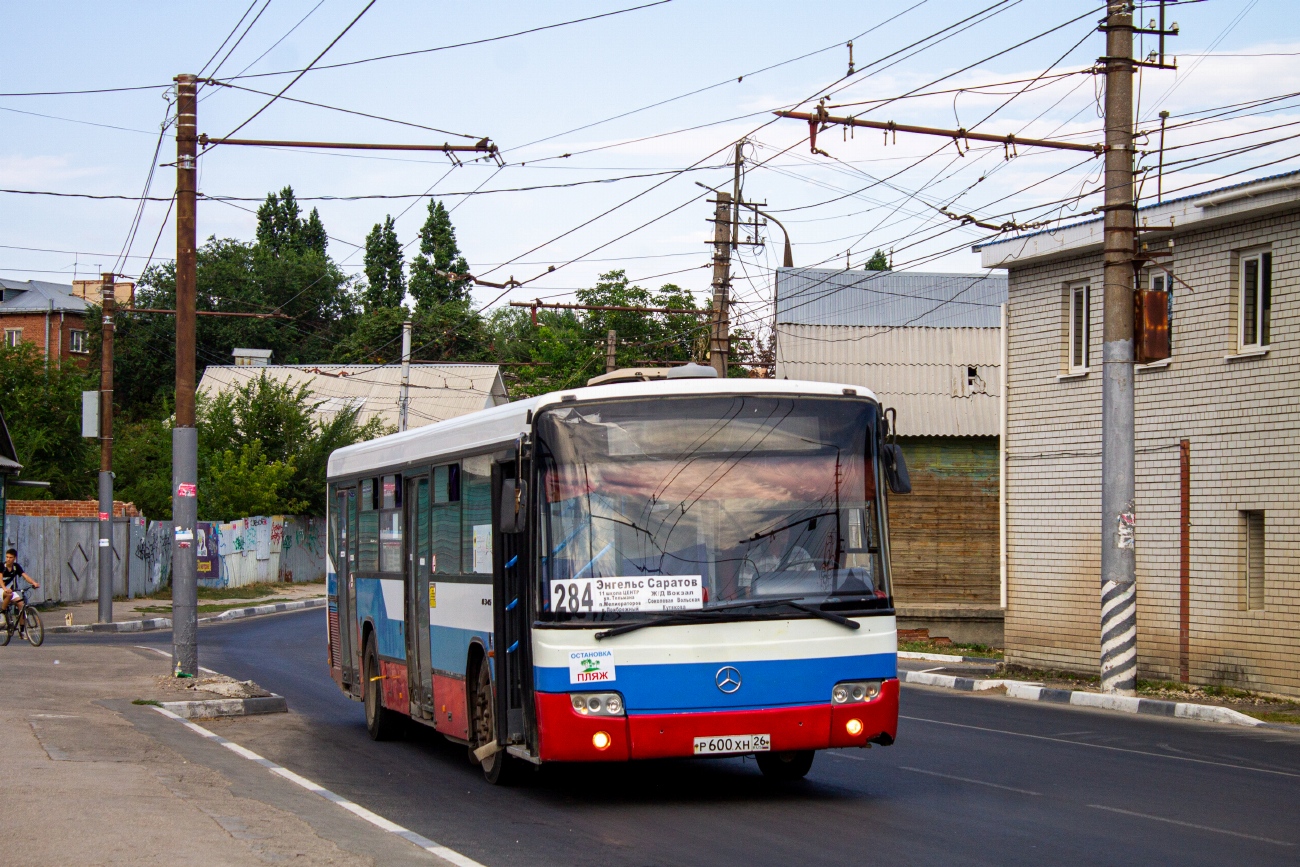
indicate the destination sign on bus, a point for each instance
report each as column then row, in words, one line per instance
column 629, row 593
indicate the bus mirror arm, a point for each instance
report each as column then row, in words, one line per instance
column 514, row 506
column 891, row 454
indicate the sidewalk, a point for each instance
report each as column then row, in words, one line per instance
column 130, row 609
column 105, row 781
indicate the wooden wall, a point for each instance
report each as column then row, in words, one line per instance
column 944, row 535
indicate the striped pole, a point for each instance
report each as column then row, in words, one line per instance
column 1118, row 637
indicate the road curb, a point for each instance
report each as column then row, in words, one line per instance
column 226, row 707
column 944, row 657
column 1027, row 691
column 155, row 623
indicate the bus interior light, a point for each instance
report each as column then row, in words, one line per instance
column 597, row 703
column 855, row 691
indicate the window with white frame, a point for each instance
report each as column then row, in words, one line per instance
column 78, row 342
column 13, row 336
column 1255, row 300
column 1079, row 315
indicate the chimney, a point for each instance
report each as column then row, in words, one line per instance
column 251, row 357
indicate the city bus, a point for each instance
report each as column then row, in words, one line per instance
column 685, row 567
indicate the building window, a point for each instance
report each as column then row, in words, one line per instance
column 1080, row 313
column 1254, row 559
column 1255, row 303
column 13, row 337
column 78, row 342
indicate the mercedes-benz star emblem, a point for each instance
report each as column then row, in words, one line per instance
column 727, row 679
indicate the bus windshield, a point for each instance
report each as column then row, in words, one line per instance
column 733, row 502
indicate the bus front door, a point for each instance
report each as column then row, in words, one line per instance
column 512, row 571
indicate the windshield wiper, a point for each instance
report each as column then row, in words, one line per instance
column 707, row 614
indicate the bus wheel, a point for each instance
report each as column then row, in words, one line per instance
column 785, row 767
column 499, row 768
column 382, row 723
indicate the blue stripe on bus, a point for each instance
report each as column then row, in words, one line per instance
column 692, row 687
column 332, row 584
column 449, row 647
column 390, row 634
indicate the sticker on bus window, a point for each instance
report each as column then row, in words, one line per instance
column 631, row 593
column 592, row 666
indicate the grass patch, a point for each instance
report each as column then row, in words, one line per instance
column 951, row 649
column 248, row 591
column 212, row 608
column 150, row 702
column 1285, row 718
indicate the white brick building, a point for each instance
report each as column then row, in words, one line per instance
column 1229, row 612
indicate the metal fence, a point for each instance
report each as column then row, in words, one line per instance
column 62, row 553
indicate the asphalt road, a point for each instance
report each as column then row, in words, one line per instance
column 971, row 780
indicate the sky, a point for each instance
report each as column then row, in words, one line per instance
column 637, row 108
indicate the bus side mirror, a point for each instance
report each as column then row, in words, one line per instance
column 514, row 506
column 895, row 467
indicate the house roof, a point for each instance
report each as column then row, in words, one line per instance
column 438, row 391
column 1198, row 210
column 923, row 373
column 9, row 465
column 829, row 296
column 38, row 296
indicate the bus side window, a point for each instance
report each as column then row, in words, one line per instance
column 446, row 520
column 476, row 491
column 368, row 544
column 351, row 519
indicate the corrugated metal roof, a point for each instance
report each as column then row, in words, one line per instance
column 924, row 373
column 34, row 296
column 826, row 296
column 438, row 391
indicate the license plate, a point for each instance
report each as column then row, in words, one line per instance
column 733, row 744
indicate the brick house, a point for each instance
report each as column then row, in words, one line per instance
column 929, row 345
column 1218, row 442
column 48, row 315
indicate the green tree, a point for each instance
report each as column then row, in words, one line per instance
column 42, row 408
column 247, row 484
column 142, row 462
column 438, row 253
column 385, row 280
column 878, row 262
column 281, row 230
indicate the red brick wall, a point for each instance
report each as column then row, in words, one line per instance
column 67, row 509
column 61, row 327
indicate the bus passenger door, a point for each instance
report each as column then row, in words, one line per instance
column 418, row 559
column 512, row 617
column 347, row 504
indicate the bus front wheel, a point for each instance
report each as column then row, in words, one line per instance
column 499, row 768
column 787, row 766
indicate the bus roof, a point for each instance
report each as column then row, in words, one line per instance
column 499, row 426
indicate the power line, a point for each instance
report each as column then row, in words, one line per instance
column 458, row 44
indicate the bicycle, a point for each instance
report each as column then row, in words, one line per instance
column 25, row 621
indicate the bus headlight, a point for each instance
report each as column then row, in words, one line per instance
column 597, row 703
column 855, row 691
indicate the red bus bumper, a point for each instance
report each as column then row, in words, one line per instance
column 565, row 735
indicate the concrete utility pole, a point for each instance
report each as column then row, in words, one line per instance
column 611, row 347
column 185, row 440
column 107, row 300
column 720, row 339
column 1118, row 560
column 404, row 399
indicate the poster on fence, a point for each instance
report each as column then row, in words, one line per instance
column 207, row 545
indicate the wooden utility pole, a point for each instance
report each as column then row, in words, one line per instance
column 107, row 299
column 1118, row 560
column 185, row 650
column 720, row 338
column 611, row 347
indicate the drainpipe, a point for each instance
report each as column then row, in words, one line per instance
column 48, row 311
column 1002, row 468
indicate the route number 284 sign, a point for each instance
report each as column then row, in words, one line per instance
column 634, row 593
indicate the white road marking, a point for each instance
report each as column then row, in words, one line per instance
column 847, row 756
column 969, row 780
column 1102, row 747
column 1191, row 825
column 162, row 652
column 356, row 809
column 928, row 670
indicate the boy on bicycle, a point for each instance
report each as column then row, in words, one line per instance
column 10, row 572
